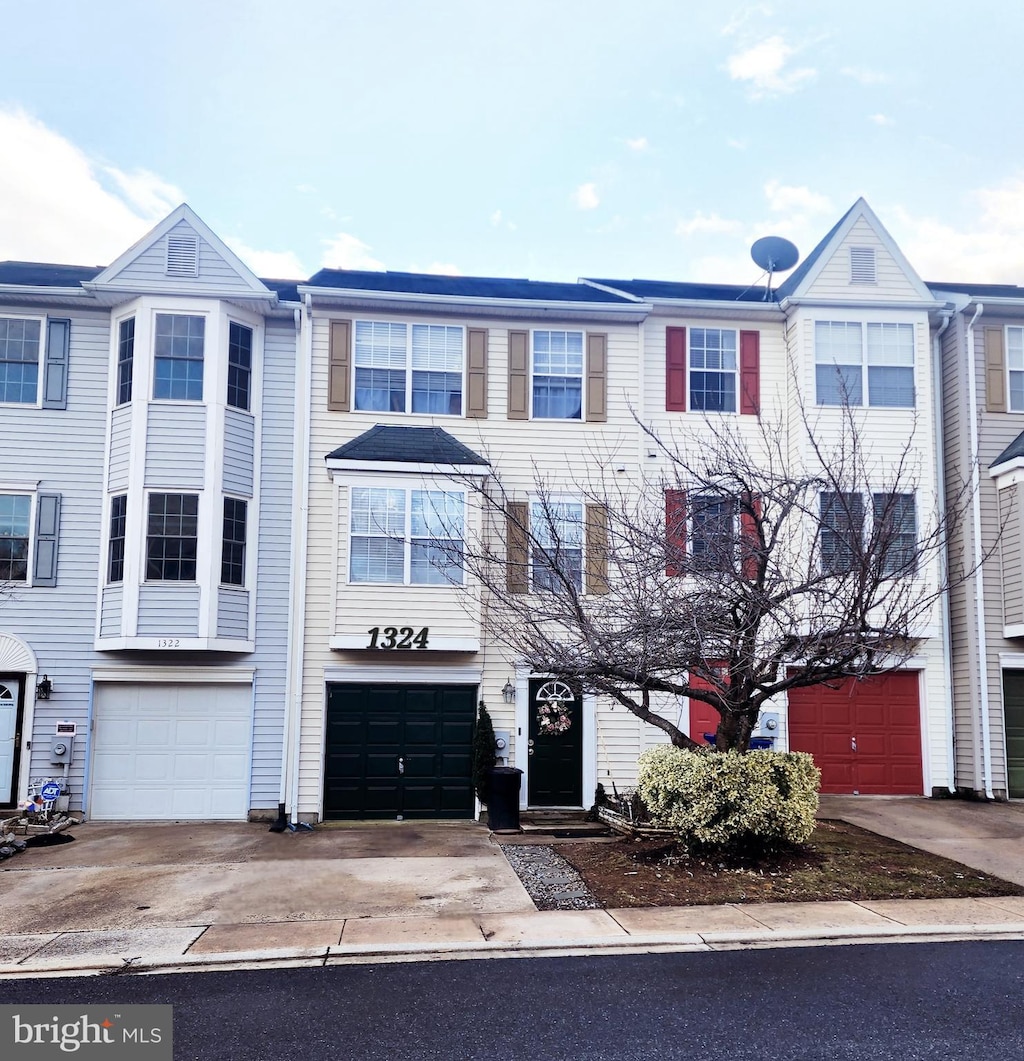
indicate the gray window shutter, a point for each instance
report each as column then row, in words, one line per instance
column 47, row 533
column 55, row 374
column 339, row 370
column 517, row 547
column 596, row 546
column 518, row 375
column 995, row 371
column 597, row 377
column 476, row 373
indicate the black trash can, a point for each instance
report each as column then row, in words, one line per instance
column 503, row 784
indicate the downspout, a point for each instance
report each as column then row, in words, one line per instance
column 297, row 595
column 940, row 480
column 977, row 579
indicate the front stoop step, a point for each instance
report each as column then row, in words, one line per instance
column 560, row 823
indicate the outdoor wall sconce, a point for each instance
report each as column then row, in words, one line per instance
column 44, row 688
column 508, row 692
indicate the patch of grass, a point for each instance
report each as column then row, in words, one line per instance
column 840, row 861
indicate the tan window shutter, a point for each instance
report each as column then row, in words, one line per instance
column 476, row 373
column 339, row 367
column 597, row 377
column 518, row 375
column 995, row 371
column 517, row 548
column 596, row 546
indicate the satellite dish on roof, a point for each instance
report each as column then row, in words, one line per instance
column 775, row 255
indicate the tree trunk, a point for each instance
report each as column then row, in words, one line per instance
column 733, row 733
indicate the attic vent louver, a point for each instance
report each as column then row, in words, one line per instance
column 182, row 256
column 862, row 265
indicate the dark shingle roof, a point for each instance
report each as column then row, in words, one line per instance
column 43, row 274
column 287, row 290
column 979, row 290
column 658, row 289
column 465, row 286
column 408, row 445
column 1014, row 449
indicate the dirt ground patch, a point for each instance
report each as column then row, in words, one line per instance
column 840, row 861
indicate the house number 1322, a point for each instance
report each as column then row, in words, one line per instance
column 397, row 637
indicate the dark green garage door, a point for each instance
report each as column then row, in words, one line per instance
column 399, row 751
column 1013, row 712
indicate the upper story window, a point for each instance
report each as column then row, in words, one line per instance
column 19, row 360
column 895, row 524
column 118, row 528
column 845, row 350
column 841, row 526
column 125, row 359
column 713, row 532
column 232, row 551
column 239, row 365
column 417, row 368
column 713, row 366
column 556, row 545
column 406, row 536
column 558, row 375
column 1015, row 367
column 15, row 534
column 178, row 349
column 172, row 537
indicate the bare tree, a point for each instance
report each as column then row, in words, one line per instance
column 762, row 560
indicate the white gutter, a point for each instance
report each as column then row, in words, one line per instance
column 977, row 578
column 947, row 643
column 297, row 596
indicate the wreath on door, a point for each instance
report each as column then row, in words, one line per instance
column 554, row 704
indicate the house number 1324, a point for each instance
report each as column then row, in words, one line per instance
column 397, row 637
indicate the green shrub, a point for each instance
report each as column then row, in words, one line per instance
column 483, row 752
column 719, row 799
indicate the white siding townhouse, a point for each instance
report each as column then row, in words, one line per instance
column 146, row 470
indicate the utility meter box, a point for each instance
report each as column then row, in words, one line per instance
column 502, row 744
column 61, row 747
column 769, row 725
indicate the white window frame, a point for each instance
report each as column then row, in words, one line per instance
column 407, row 368
column 40, row 360
column 247, row 502
column 1014, row 351
column 582, row 377
column 156, row 313
column 868, row 518
column 734, row 371
column 31, row 492
column 868, row 360
column 201, row 550
column 407, row 538
column 538, row 503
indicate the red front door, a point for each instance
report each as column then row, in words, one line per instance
column 865, row 736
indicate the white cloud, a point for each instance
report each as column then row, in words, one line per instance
column 585, row 197
column 881, row 119
column 496, row 218
column 346, row 251
column 986, row 248
column 743, row 16
column 865, row 76
column 762, row 67
column 788, row 199
column 707, row 223
column 59, row 205
column 640, row 143
column 278, row 265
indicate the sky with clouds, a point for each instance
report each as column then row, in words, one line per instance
column 542, row 138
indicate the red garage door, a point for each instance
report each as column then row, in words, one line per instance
column 865, row 736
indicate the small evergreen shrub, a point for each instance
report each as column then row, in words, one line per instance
column 483, row 752
column 725, row 799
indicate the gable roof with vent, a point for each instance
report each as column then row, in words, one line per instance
column 184, row 255
column 857, row 261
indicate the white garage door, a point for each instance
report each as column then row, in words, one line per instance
column 171, row 752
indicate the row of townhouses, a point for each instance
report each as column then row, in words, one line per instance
column 224, row 585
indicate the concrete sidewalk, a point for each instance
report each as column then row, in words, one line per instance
column 175, row 897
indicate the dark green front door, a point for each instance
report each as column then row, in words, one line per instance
column 555, row 759
column 1013, row 714
column 399, row 751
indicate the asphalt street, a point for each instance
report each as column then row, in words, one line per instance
column 906, row 1001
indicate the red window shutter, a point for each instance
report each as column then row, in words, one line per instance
column 675, row 531
column 749, row 542
column 675, row 369
column 750, row 372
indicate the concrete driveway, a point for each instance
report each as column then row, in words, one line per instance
column 143, row 875
column 986, row 836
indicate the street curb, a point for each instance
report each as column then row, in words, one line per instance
column 594, row 945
